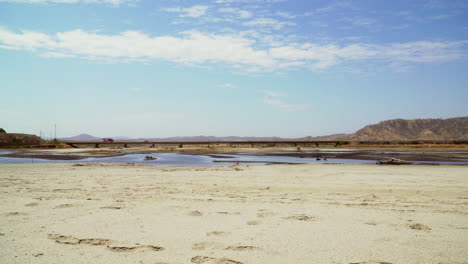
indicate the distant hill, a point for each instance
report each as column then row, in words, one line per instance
column 82, row 137
column 212, row 138
column 325, row 138
column 417, row 129
column 397, row 129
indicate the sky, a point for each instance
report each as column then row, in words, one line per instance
column 161, row 68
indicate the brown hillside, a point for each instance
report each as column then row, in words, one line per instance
column 11, row 139
column 418, row 129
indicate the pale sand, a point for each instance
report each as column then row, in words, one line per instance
column 110, row 213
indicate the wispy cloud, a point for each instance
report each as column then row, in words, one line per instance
column 329, row 8
column 227, row 85
column 275, row 99
column 57, row 55
column 285, row 15
column 112, row 2
column 440, row 17
column 268, row 23
column 273, row 93
column 236, row 11
column 232, row 50
column 443, row 4
column 247, row 1
column 194, row 11
column 359, row 21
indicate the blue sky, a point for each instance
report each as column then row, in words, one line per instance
column 149, row 68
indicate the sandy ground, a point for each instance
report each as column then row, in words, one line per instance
column 111, row 213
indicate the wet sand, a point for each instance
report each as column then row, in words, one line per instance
column 116, row 213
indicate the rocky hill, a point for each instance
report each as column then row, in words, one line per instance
column 13, row 139
column 417, row 129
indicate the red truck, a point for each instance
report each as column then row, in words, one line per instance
column 108, row 140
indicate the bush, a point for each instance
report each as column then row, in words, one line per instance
column 341, row 143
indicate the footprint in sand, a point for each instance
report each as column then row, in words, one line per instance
column 135, row 248
column 15, row 214
column 112, row 207
column 301, row 217
column 195, row 213
column 69, row 240
column 242, row 248
column 217, row 233
column 64, row 206
column 206, row 245
column 420, row 227
column 229, row 213
column 265, row 214
column 253, row 222
column 31, row 204
column 371, row 262
column 210, row 260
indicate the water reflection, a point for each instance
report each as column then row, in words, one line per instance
column 176, row 159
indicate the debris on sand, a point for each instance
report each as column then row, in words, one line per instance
column 393, row 161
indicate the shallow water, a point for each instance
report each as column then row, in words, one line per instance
column 285, row 159
column 175, row 159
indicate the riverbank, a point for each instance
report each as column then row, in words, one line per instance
column 120, row 213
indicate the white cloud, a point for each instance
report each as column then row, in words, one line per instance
column 241, row 51
column 247, row 1
column 274, row 98
column 227, row 85
column 192, row 47
column 27, row 40
column 194, row 11
column 285, row 15
column 268, row 23
column 236, row 11
column 112, row 2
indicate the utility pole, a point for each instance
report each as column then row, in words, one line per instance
column 55, row 131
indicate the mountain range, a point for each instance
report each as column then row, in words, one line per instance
column 396, row 129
